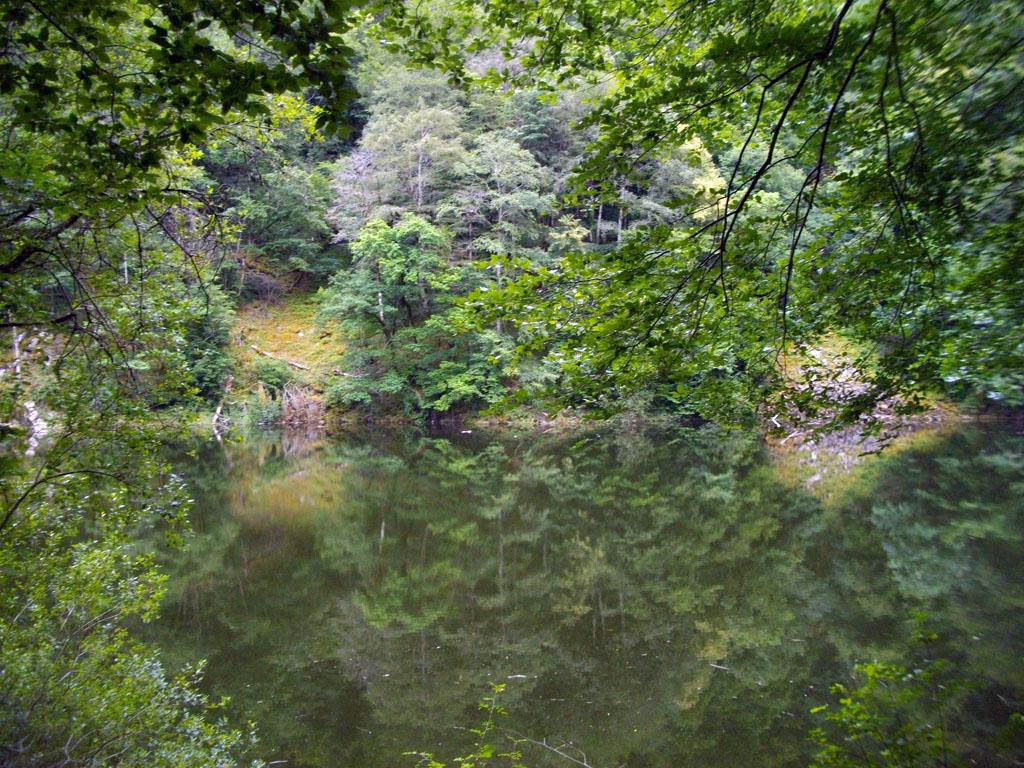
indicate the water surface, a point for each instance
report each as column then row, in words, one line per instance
column 649, row 600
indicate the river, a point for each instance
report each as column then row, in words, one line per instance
column 647, row 599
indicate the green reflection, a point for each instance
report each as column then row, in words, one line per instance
column 655, row 599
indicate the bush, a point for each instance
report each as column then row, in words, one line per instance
column 272, row 374
column 261, row 412
column 206, row 336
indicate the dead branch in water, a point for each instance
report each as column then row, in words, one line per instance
column 299, row 407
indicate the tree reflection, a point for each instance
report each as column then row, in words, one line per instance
column 655, row 599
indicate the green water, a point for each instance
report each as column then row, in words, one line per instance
column 650, row 600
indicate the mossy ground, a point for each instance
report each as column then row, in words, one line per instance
column 287, row 329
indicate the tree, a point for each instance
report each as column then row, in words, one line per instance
column 405, row 163
column 107, row 245
column 104, row 104
column 273, row 191
column 903, row 123
column 395, row 271
column 896, row 716
column 500, row 197
column 392, row 303
column 106, row 238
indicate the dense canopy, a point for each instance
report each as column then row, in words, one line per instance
column 870, row 159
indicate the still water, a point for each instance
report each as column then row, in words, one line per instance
column 648, row 599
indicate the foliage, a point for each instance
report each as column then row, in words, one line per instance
column 109, row 247
column 272, row 374
column 668, row 200
column 895, row 717
column 274, row 193
column 409, row 148
column 869, row 158
column 70, row 71
column 77, row 688
column 403, row 348
column 485, row 169
column 206, row 335
column 396, row 273
column 485, row 752
column 261, row 411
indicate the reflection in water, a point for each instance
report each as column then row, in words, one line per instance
column 658, row 600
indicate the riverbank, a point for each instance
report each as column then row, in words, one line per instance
column 817, row 450
column 285, row 363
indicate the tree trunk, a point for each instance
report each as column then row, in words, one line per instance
column 380, row 303
column 263, row 352
column 424, row 297
column 408, row 312
column 220, row 406
column 501, row 555
column 497, row 274
column 497, row 267
column 419, row 177
column 37, row 426
column 622, row 612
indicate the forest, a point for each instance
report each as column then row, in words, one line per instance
column 492, row 342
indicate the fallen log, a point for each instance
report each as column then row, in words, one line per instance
column 293, row 364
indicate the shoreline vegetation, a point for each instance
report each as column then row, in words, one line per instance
column 815, row 451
